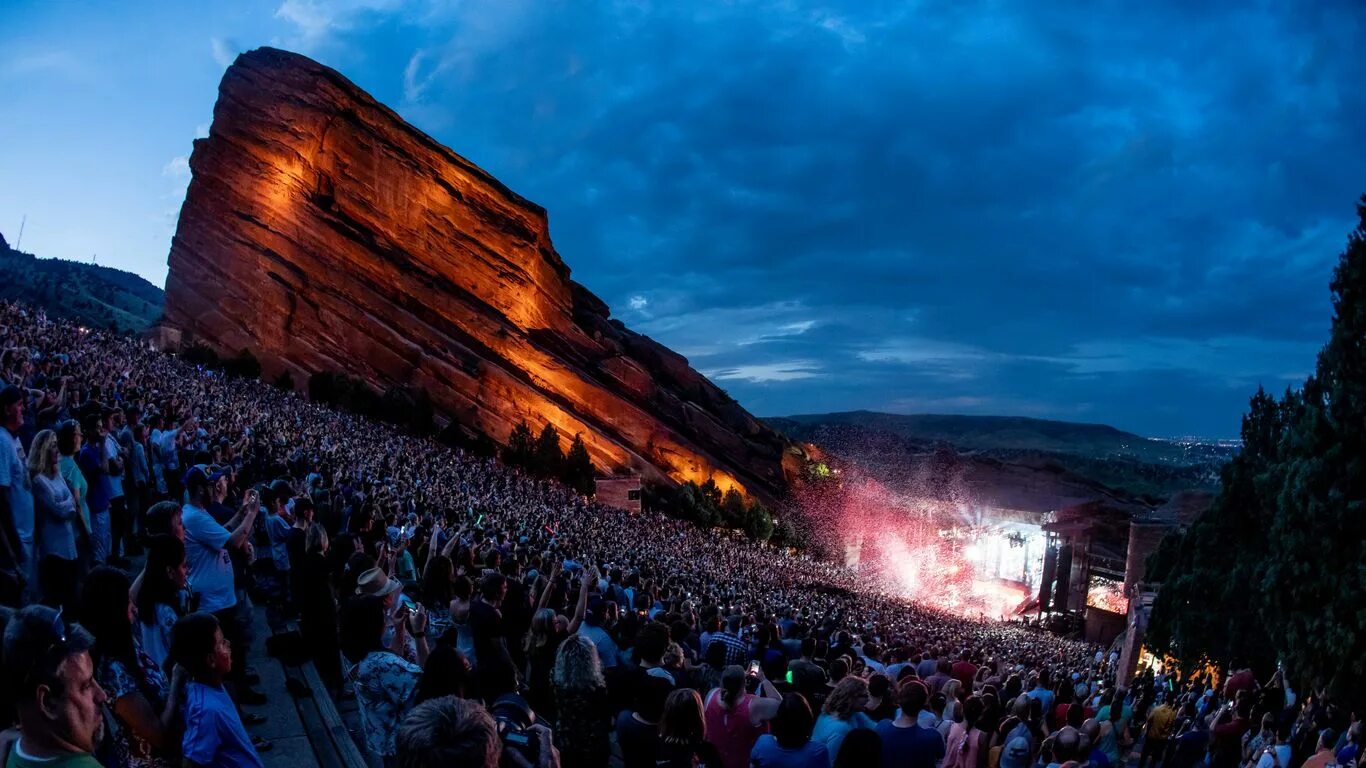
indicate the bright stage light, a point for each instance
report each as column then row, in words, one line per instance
column 920, row 550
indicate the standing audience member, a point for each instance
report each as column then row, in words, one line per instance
column 386, row 683
column 789, row 743
column 683, row 734
column 159, row 596
column 94, row 464
column 584, row 719
column 211, row 577
column 905, row 743
column 16, row 501
column 842, row 713
column 70, row 440
column 55, row 511
column 736, row 718
column 637, row 728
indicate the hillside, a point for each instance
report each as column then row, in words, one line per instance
column 1099, row 453
column 92, row 295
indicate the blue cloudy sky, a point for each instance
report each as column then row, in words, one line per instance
column 1105, row 211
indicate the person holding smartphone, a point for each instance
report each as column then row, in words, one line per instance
column 211, row 575
column 737, row 718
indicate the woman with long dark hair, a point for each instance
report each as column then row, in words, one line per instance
column 789, row 745
column 438, row 589
column 160, row 596
column 683, row 733
column 144, row 703
column 385, row 682
column 446, row 673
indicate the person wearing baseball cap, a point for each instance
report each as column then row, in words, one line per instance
column 206, row 549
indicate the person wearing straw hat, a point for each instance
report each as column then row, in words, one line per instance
column 407, row 638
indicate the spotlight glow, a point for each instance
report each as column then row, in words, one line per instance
column 947, row 555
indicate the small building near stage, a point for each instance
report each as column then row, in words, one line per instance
column 620, row 492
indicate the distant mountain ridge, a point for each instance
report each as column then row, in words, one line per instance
column 994, row 432
column 1120, row 460
column 100, row 297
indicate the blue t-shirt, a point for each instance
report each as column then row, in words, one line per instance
column 913, row 747
column 213, row 732
column 1044, row 696
column 17, row 484
column 278, row 530
column 607, row 647
column 210, row 566
column 768, row 754
column 91, row 462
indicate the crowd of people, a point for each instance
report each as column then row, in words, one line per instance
column 480, row 617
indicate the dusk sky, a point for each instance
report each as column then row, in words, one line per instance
column 1114, row 212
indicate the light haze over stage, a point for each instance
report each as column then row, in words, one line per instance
column 963, row 558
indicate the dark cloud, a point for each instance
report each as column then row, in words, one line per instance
column 1112, row 212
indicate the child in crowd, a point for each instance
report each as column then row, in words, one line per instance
column 214, row 735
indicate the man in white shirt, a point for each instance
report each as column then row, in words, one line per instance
column 118, row 510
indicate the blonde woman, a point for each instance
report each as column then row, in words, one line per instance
column 542, row 644
column 953, row 691
column 842, row 713
column 54, row 506
column 583, row 721
column 318, row 606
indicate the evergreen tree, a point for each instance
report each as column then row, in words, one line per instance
column 1275, row 569
column 548, row 459
column 521, row 447
column 758, row 522
column 578, row 468
column 785, row 534
column 733, row 509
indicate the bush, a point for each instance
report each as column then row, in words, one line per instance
column 197, row 353
column 345, row 392
column 244, row 366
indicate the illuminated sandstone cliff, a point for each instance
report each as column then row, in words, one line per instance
column 322, row 232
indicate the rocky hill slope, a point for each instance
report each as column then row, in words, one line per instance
column 323, row 233
column 89, row 294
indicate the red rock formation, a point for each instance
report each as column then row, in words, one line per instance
column 322, row 232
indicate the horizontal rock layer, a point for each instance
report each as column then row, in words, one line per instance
column 323, row 233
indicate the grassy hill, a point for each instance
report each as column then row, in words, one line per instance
column 1121, row 460
column 96, row 296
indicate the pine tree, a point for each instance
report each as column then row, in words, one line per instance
column 1316, row 576
column 548, row 458
column 1275, row 569
column 520, row 447
column 578, row 468
column 758, row 522
column 733, row 509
